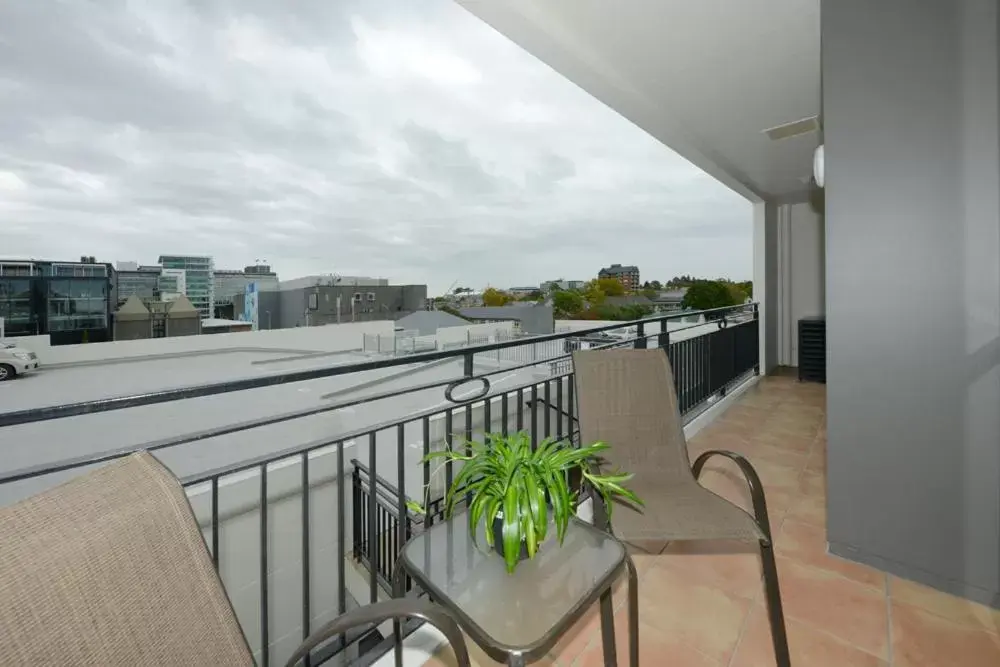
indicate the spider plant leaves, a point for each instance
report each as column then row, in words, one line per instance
column 524, row 488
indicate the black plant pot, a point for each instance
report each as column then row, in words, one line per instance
column 498, row 540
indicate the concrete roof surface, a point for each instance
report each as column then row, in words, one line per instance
column 55, row 440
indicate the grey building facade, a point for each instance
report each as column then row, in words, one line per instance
column 136, row 320
column 334, row 304
column 531, row 318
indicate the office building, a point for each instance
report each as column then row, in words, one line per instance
column 315, row 305
column 627, row 275
column 141, row 281
column 70, row 301
column 230, row 283
column 199, row 280
column 157, row 319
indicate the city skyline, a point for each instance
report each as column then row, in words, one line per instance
column 360, row 138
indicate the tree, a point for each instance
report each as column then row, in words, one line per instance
column 593, row 293
column 708, row 294
column 567, row 304
column 494, row 297
column 611, row 286
column 533, row 296
column 635, row 311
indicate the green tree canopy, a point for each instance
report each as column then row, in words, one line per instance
column 567, row 304
column 494, row 297
column 708, row 294
column 611, row 286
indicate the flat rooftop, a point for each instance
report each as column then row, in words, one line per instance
column 56, row 440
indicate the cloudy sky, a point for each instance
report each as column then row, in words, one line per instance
column 398, row 138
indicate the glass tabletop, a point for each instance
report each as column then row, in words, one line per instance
column 525, row 610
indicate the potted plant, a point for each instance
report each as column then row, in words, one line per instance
column 518, row 491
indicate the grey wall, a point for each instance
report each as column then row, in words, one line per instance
column 289, row 307
column 534, row 319
column 913, row 288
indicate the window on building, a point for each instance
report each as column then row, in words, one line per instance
column 371, row 296
column 356, row 297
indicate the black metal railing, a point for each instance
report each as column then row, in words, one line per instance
column 289, row 509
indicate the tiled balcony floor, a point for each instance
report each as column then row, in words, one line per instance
column 702, row 605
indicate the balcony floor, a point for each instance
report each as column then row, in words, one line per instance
column 702, row 605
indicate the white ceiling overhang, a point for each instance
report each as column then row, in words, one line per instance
column 704, row 77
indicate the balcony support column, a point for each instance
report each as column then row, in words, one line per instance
column 766, row 275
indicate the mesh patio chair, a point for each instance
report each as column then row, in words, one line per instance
column 626, row 398
column 111, row 569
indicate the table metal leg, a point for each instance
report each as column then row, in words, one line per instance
column 633, row 612
column 608, row 629
column 398, row 584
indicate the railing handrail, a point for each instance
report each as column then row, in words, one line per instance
column 246, row 464
column 47, row 413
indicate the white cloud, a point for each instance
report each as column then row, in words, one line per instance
column 395, row 138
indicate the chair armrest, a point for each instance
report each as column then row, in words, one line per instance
column 383, row 611
column 753, row 481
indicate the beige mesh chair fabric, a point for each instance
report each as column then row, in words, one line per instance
column 626, row 398
column 110, row 569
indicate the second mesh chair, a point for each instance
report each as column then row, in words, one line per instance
column 627, row 399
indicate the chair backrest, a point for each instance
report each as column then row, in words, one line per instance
column 626, row 398
column 111, row 568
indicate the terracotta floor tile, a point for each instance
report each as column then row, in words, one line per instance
column 655, row 648
column 577, row 639
column 784, row 440
column 806, row 544
column 731, row 566
column 853, row 613
column 923, row 639
column 958, row 610
column 733, row 487
column 703, row 617
column 808, row 647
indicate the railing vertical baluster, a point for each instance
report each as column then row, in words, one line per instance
column 341, row 530
column 559, row 409
column 372, row 508
column 547, row 417
column 664, row 338
column 534, row 416
column 640, row 336
column 487, row 417
column 426, row 466
column 504, row 414
column 520, row 409
column 215, row 522
column 306, row 597
column 449, row 440
column 403, row 519
column 570, row 407
column 265, row 644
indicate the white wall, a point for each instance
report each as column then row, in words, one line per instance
column 330, row 338
column 765, row 280
column 801, row 274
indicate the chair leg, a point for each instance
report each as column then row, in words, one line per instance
column 774, row 611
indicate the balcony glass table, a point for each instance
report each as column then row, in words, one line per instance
column 516, row 618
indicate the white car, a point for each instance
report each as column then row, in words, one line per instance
column 16, row 361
